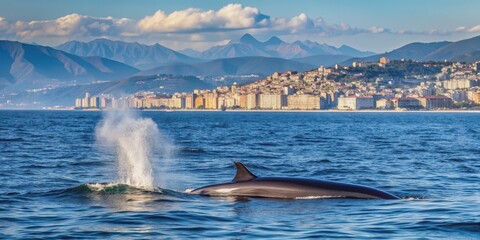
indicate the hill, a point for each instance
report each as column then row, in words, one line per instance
column 138, row 55
column 26, row 66
column 464, row 50
column 231, row 66
column 467, row 50
column 65, row 96
column 247, row 45
column 323, row 60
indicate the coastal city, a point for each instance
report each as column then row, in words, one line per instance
column 382, row 85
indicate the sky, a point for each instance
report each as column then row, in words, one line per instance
column 373, row 25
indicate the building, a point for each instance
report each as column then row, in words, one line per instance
column 211, row 100
column 305, row 102
column 436, row 102
column 406, row 103
column 105, row 103
column 476, row 97
column 476, row 66
column 355, row 103
column 459, row 96
column 87, row 102
column 138, row 102
column 190, row 100
column 384, row 104
column 199, row 102
column 459, row 84
column 78, row 103
column 177, row 102
column 272, row 101
column 288, row 90
column 384, row 61
column 252, row 101
column 358, row 64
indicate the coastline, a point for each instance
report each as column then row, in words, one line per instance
column 254, row 110
column 312, row 111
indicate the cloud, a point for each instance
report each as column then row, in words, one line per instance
column 69, row 27
column 191, row 25
column 230, row 17
column 472, row 29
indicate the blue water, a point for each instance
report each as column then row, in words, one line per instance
column 430, row 160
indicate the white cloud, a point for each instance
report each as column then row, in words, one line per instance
column 68, row 27
column 192, row 25
column 230, row 17
column 472, row 29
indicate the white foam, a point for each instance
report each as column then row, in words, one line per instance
column 133, row 140
column 98, row 187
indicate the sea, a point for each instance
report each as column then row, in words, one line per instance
column 127, row 175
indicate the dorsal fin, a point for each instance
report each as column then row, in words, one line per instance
column 243, row 174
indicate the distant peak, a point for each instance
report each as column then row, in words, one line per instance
column 274, row 41
column 101, row 40
column 345, row 47
column 247, row 38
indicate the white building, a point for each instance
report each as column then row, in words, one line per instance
column 272, row 101
column 355, row 103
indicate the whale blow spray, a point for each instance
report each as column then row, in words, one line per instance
column 134, row 142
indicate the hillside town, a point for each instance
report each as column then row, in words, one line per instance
column 385, row 85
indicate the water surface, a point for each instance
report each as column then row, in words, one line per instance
column 431, row 160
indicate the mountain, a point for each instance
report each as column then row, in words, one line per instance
column 467, row 50
column 26, row 66
column 349, row 51
column 65, row 96
column 134, row 54
column 413, row 51
column 247, row 45
column 323, row 60
column 191, row 52
column 231, row 66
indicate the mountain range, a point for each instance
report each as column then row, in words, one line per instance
column 26, row 66
column 247, row 45
column 149, row 56
column 134, row 54
column 63, row 96
column 31, row 66
column 231, row 66
column 467, row 50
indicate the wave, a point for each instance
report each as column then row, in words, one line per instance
column 11, row 139
column 112, row 188
column 464, row 226
column 193, row 150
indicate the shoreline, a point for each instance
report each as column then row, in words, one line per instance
column 259, row 110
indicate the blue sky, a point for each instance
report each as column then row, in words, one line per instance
column 376, row 25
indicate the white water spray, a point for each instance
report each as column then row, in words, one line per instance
column 135, row 142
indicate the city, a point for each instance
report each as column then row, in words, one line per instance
column 429, row 86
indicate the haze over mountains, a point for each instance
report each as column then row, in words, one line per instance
column 134, row 54
column 149, row 56
column 157, row 83
column 231, row 66
column 30, row 66
column 467, row 50
column 25, row 66
column 247, row 45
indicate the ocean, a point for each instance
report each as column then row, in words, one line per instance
column 96, row 175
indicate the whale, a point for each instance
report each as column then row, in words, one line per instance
column 246, row 184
